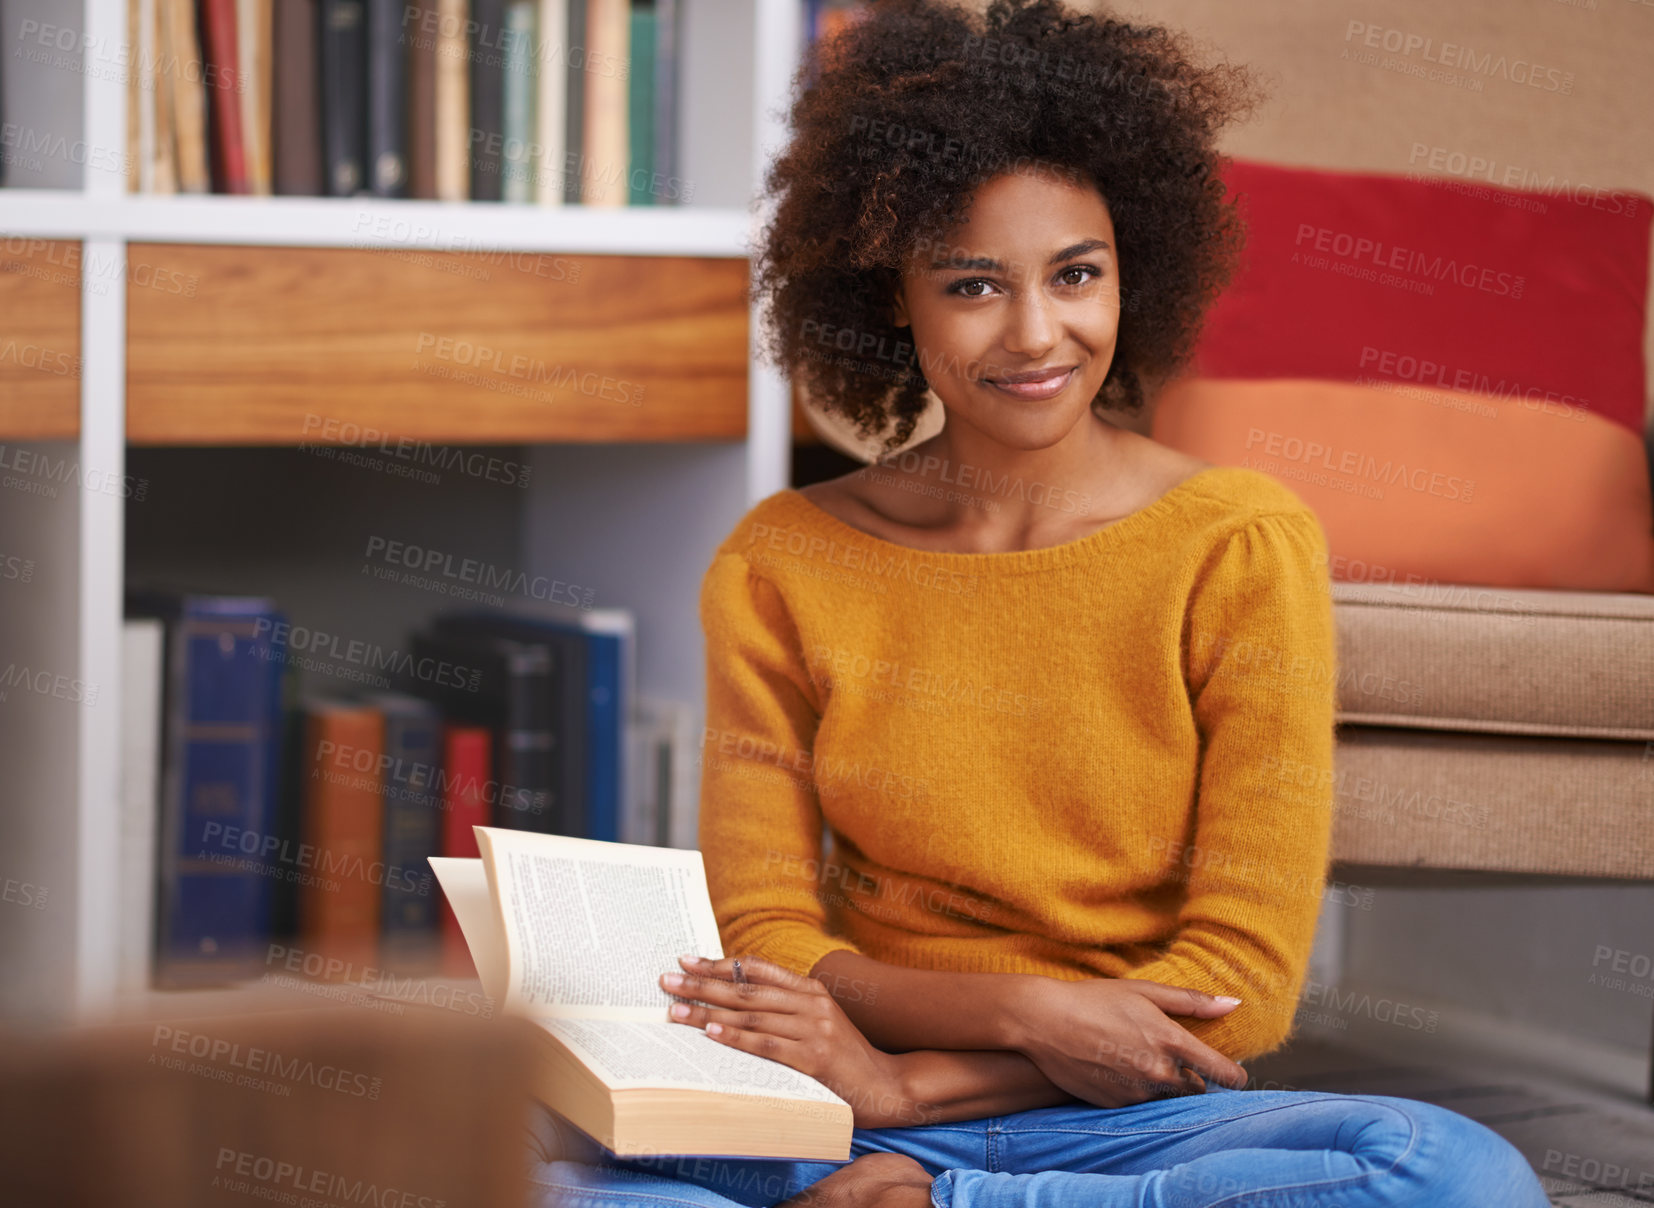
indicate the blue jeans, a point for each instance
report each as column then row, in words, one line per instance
column 1221, row 1149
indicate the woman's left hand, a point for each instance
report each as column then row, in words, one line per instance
column 792, row 1019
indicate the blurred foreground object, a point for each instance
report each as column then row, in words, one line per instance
column 327, row 1107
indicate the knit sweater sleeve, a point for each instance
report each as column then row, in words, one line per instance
column 760, row 818
column 1260, row 650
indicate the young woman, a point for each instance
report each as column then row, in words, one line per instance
column 1060, row 698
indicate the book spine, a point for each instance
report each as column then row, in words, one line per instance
column 142, row 668
column 640, row 108
column 453, row 101
column 412, row 762
column 253, row 30
column 526, row 750
column 605, row 736
column 387, row 100
column 552, row 62
column 184, row 69
column 218, row 808
column 667, row 35
column 574, row 103
column 517, row 101
column 342, row 54
column 343, row 828
column 467, row 791
column 159, row 105
column 608, row 34
column 420, row 37
column 225, row 84
column 296, row 131
column 487, row 98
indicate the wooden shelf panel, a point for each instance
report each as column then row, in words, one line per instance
column 39, row 339
column 266, row 345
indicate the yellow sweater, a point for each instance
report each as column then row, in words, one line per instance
column 1110, row 757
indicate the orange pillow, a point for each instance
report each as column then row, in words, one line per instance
column 1442, row 485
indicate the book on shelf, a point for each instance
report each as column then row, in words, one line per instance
column 526, row 101
column 410, row 788
column 453, row 102
column 605, row 170
column 421, row 40
column 640, row 104
column 662, row 805
column 573, row 934
column 341, row 836
column 186, row 87
column 221, row 72
column 255, row 30
column 142, row 670
column 342, row 58
column 551, row 87
column 466, row 761
column 220, row 747
column 510, row 688
column 487, row 124
column 385, row 155
column 520, row 92
column 275, row 819
column 296, row 134
column 598, row 658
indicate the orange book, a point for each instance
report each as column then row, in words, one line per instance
column 342, row 834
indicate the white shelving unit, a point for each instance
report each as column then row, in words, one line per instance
column 60, row 792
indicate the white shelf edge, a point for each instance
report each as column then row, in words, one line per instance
column 376, row 223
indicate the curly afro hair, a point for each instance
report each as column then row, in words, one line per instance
column 902, row 116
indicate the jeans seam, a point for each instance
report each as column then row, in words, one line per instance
column 1352, row 1180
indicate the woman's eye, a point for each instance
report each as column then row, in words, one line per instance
column 1077, row 274
column 974, row 287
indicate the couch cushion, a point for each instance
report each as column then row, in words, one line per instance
column 1566, row 807
column 1486, row 660
column 1443, row 485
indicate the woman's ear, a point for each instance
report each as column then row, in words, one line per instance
column 898, row 309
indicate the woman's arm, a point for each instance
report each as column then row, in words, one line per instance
column 791, row 1019
column 1105, row 1041
column 1261, row 650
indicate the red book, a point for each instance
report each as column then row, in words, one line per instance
column 465, row 803
column 223, row 80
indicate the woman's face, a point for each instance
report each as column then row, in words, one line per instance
column 1015, row 311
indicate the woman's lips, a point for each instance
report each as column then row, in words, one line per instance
column 1039, row 388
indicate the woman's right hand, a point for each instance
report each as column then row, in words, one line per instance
column 1111, row 1041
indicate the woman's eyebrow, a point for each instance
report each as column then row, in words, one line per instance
column 989, row 264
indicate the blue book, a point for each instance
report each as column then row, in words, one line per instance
column 411, row 762
column 220, row 848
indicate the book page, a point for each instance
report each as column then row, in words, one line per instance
column 591, row 926
column 631, row 1053
column 464, row 882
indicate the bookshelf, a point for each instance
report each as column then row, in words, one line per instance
column 302, row 303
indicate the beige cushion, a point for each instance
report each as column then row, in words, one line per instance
column 1414, row 798
column 1496, row 660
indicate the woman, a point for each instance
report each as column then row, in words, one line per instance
column 1061, row 698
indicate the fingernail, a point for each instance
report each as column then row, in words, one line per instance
column 715, row 1028
column 673, row 979
column 680, row 1011
column 693, row 960
column 1227, row 1001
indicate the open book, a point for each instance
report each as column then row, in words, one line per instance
column 574, row 934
